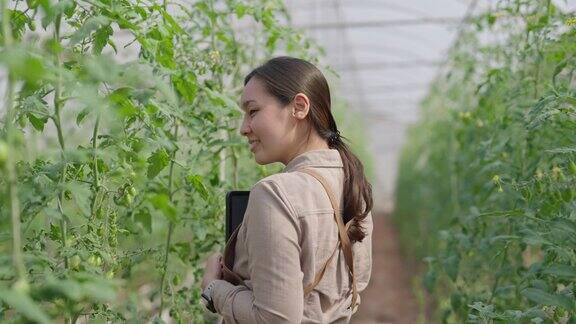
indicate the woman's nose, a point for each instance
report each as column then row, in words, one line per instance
column 244, row 128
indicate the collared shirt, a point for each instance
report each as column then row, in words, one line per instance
column 287, row 235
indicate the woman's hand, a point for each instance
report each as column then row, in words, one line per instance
column 212, row 269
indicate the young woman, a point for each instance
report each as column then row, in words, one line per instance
column 298, row 257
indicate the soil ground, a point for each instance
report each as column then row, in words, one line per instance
column 389, row 297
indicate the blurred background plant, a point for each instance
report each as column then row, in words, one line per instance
column 486, row 190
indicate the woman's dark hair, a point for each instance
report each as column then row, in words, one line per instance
column 284, row 77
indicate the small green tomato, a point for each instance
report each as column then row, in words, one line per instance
column 21, row 286
column 99, row 213
column 176, row 280
column 128, row 199
column 75, row 262
column 572, row 167
column 71, row 240
column 132, row 191
column 539, row 174
column 557, row 174
column 95, row 260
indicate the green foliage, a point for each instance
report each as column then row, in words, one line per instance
column 115, row 158
column 488, row 177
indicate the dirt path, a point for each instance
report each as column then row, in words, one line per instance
column 388, row 297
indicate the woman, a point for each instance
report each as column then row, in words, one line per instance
column 294, row 259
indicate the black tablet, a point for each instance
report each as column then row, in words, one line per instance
column 236, row 203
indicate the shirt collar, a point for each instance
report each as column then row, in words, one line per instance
column 327, row 158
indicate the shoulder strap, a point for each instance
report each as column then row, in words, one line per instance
column 344, row 240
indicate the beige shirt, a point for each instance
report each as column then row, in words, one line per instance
column 287, row 235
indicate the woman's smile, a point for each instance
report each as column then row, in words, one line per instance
column 253, row 144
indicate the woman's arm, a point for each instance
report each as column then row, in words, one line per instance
column 274, row 262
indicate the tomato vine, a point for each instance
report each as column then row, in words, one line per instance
column 487, row 179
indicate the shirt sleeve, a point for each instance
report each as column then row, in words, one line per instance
column 272, row 240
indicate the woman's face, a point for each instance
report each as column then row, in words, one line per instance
column 269, row 126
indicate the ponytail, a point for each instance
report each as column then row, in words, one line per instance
column 357, row 192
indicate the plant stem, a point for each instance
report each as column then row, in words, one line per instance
column 498, row 274
column 10, row 168
column 224, row 134
column 234, row 168
column 95, row 183
column 58, row 125
column 171, row 224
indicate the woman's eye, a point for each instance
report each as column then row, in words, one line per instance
column 251, row 112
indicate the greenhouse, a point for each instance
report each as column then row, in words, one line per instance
column 296, row 161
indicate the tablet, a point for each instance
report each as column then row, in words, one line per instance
column 236, row 203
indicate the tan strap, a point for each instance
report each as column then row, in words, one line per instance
column 308, row 289
column 343, row 236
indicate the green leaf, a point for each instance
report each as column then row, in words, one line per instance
column 187, row 86
column 121, row 97
column 18, row 22
column 82, row 114
column 143, row 217
column 563, row 150
column 99, row 68
column 561, row 271
column 220, row 99
column 491, row 19
column 532, row 237
column 559, row 69
column 66, row 288
column 272, row 39
column 157, row 162
column 183, row 250
column 162, row 203
column 23, row 304
column 55, row 232
column 91, row 24
column 429, row 280
column 101, row 37
column 268, row 19
column 81, row 194
column 240, row 10
column 165, row 53
column 37, row 111
column 97, row 291
column 38, row 123
column 543, row 298
column 24, row 65
column 196, row 181
column 69, row 10
column 59, row 8
column 82, row 287
column 451, row 265
column 175, row 26
column 570, row 100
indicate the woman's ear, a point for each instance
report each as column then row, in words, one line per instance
column 300, row 106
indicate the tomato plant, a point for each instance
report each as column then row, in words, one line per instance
column 486, row 182
column 119, row 140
